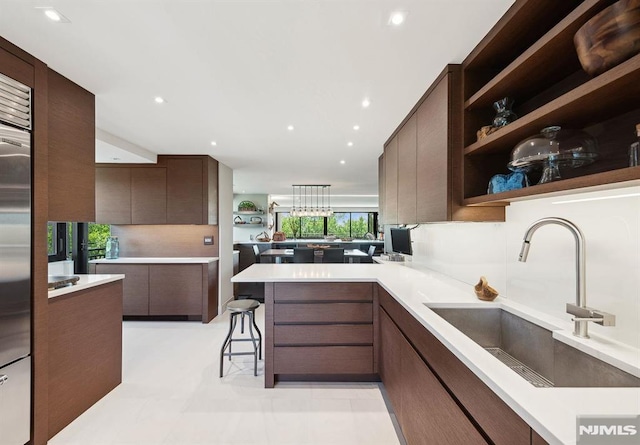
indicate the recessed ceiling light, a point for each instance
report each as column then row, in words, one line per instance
column 350, row 144
column 53, row 15
column 343, row 162
column 290, row 127
column 397, row 18
column 214, row 143
column 356, row 127
column 366, row 103
column 159, row 100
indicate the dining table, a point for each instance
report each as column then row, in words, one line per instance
column 353, row 255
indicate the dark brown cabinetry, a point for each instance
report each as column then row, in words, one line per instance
column 175, row 289
column 423, row 158
column 176, row 190
column 85, row 351
column 407, row 170
column 426, row 412
column 529, row 56
column 381, row 191
column 184, row 290
column 148, row 195
column 320, row 330
column 390, row 213
column 185, row 191
column 135, row 300
column 71, row 112
column 492, row 416
column 113, row 195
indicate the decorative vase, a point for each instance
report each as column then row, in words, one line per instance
column 504, row 114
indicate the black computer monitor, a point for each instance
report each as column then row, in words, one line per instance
column 401, row 241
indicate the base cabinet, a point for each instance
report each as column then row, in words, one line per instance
column 423, row 357
column 426, row 412
column 320, row 331
column 85, row 351
column 183, row 290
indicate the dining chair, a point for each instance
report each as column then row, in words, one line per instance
column 256, row 252
column 333, row 256
column 302, row 255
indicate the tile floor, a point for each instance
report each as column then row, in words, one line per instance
column 171, row 394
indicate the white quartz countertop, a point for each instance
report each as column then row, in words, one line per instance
column 158, row 260
column 85, row 282
column 550, row 411
column 311, row 241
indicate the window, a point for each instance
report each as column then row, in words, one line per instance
column 60, row 238
column 98, row 234
column 340, row 224
column 57, row 241
column 312, row 227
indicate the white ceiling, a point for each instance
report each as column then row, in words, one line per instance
column 240, row 71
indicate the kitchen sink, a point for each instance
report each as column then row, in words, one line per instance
column 531, row 350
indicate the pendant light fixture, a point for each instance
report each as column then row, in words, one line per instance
column 309, row 200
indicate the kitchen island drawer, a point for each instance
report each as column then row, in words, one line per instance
column 323, row 360
column 323, row 292
column 338, row 334
column 323, row 313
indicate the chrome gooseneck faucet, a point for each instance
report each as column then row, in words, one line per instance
column 582, row 313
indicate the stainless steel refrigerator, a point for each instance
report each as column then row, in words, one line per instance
column 15, row 262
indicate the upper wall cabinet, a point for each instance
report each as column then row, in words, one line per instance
column 390, row 158
column 71, row 151
column 421, row 168
column 176, row 190
column 530, row 57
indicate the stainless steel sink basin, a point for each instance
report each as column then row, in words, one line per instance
column 531, row 350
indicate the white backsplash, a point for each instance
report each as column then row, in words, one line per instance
column 61, row 267
column 547, row 280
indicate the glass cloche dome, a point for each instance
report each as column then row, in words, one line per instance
column 551, row 149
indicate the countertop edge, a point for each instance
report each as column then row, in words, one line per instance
column 551, row 412
column 87, row 281
column 157, row 260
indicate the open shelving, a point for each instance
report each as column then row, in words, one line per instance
column 529, row 56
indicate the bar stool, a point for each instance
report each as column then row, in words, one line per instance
column 242, row 307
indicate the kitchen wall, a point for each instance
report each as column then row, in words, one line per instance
column 166, row 240
column 546, row 282
column 225, row 240
column 245, row 233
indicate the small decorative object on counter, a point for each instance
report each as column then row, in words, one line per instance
column 246, row 206
column 263, row 237
column 484, row 291
column 552, row 149
column 112, row 249
column 610, row 37
column 504, row 114
column 279, row 236
column 504, row 183
column 634, row 150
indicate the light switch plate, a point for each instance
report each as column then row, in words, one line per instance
column 208, row 241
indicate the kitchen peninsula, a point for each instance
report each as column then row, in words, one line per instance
column 406, row 334
column 166, row 286
column 85, row 346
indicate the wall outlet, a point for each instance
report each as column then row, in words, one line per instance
column 208, row 241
